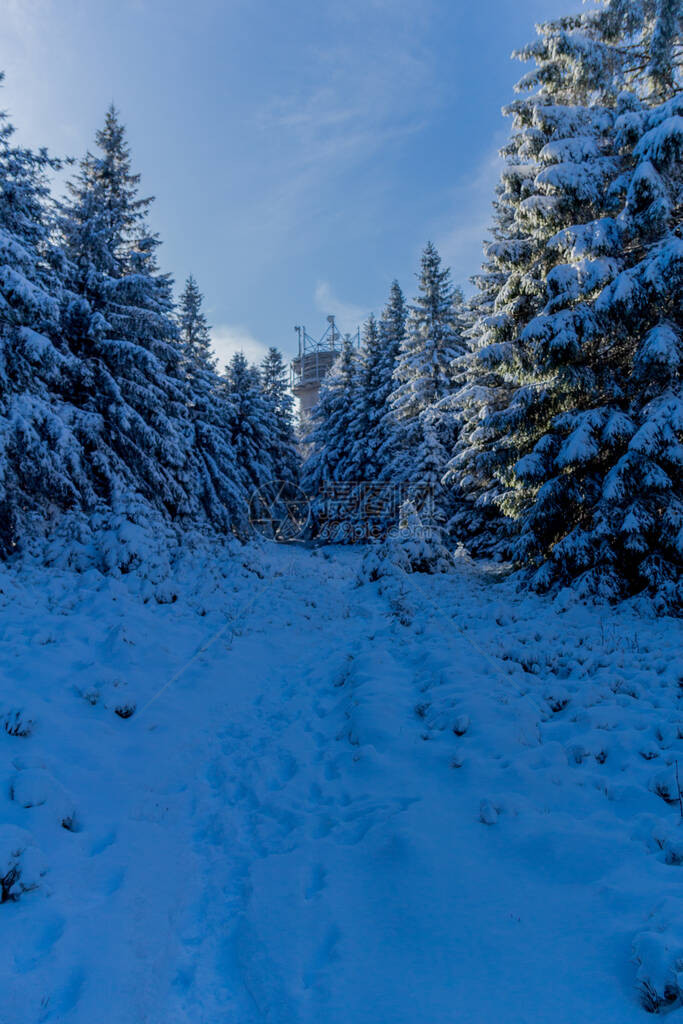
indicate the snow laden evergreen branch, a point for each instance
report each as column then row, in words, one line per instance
column 577, row 347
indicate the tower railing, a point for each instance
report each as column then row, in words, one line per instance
column 316, row 355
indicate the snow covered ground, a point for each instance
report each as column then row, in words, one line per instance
column 261, row 790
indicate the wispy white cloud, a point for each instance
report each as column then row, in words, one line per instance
column 226, row 339
column 20, row 37
column 470, row 216
column 31, row 33
column 348, row 315
column 355, row 99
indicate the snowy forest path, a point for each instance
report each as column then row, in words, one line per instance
column 349, row 876
column 305, row 798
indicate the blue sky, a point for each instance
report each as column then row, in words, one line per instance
column 301, row 153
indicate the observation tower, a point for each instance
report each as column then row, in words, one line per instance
column 314, row 360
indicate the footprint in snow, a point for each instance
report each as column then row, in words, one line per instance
column 115, row 881
column 103, row 843
column 488, row 814
column 325, row 956
column 46, row 935
column 317, row 881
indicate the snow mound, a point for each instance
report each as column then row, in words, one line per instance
column 22, row 864
column 659, row 956
column 405, row 552
column 35, row 787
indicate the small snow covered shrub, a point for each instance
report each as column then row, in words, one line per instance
column 558, row 698
column 35, row 787
column 69, row 545
column 462, row 724
column 664, row 784
column 669, row 840
column 420, row 553
column 125, row 710
column 17, row 723
column 22, row 865
column 659, row 956
column 412, row 548
column 377, row 564
column 133, row 537
column 131, row 540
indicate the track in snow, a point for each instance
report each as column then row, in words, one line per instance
column 292, row 832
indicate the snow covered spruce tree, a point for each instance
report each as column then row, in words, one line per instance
column 42, row 470
column 250, row 424
column 392, row 328
column 581, row 340
column 637, row 527
column 120, row 324
column 217, row 481
column 360, row 464
column 423, row 428
column 480, row 389
column 194, row 330
column 373, row 426
column 361, row 439
column 559, row 161
column 372, row 429
column 280, row 405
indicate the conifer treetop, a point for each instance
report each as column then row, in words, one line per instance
column 195, row 336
